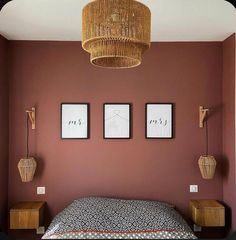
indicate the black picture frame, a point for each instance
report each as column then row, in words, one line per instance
column 88, row 121
column 171, row 125
column 130, row 121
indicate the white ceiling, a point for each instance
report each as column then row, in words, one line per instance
column 172, row 20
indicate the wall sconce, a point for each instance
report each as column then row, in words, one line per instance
column 27, row 165
column 207, row 163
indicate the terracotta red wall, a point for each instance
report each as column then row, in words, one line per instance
column 3, row 132
column 229, row 184
column 45, row 74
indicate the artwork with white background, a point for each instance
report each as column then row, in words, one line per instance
column 74, row 121
column 159, row 120
column 117, row 120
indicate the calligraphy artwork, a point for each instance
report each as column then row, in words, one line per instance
column 74, row 120
column 159, row 120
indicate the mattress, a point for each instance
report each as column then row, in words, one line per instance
column 106, row 218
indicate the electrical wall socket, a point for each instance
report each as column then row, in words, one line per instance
column 197, row 228
column 193, row 188
column 40, row 230
column 41, row 190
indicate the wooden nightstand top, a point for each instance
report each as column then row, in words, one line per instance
column 200, row 204
column 27, row 215
column 207, row 213
column 29, row 206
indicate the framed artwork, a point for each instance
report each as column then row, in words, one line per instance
column 74, row 120
column 117, row 121
column 159, row 120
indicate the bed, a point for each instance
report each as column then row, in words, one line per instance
column 106, row 218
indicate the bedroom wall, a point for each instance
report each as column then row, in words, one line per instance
column 45, row 74
column 4, row 132
column 229, row 184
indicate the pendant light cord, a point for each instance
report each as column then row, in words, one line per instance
column 27, row 136
column 206, row 135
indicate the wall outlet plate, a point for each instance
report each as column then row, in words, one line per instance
column 193, row 188
column 197, row 228
column 41, row 190
column 40, row 230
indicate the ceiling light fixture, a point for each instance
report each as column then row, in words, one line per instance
column 3, row 3
column 116, row 32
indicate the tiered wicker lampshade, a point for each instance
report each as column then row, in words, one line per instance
column 27, row 167
column 116, row 32
column 207, row 165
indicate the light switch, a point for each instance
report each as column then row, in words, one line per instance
column 193, row 188
column 41, row 190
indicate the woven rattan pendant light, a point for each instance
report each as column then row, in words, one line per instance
column 27, row 165
column 207, row 163
column 116, row 32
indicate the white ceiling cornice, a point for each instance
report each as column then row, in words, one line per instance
column 172, row 20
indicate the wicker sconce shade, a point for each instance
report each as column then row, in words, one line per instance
column 27, row 167
column 116, row 32
column 207, row 165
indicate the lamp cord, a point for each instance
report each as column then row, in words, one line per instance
column 206, row 135
column 27, row 136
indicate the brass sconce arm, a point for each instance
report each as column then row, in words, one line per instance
column 31, row 114
column 202, row 115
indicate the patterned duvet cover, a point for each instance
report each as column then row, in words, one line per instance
column 105, row 218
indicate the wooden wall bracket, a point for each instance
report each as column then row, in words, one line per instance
column 31, row 114
column 202, row 115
